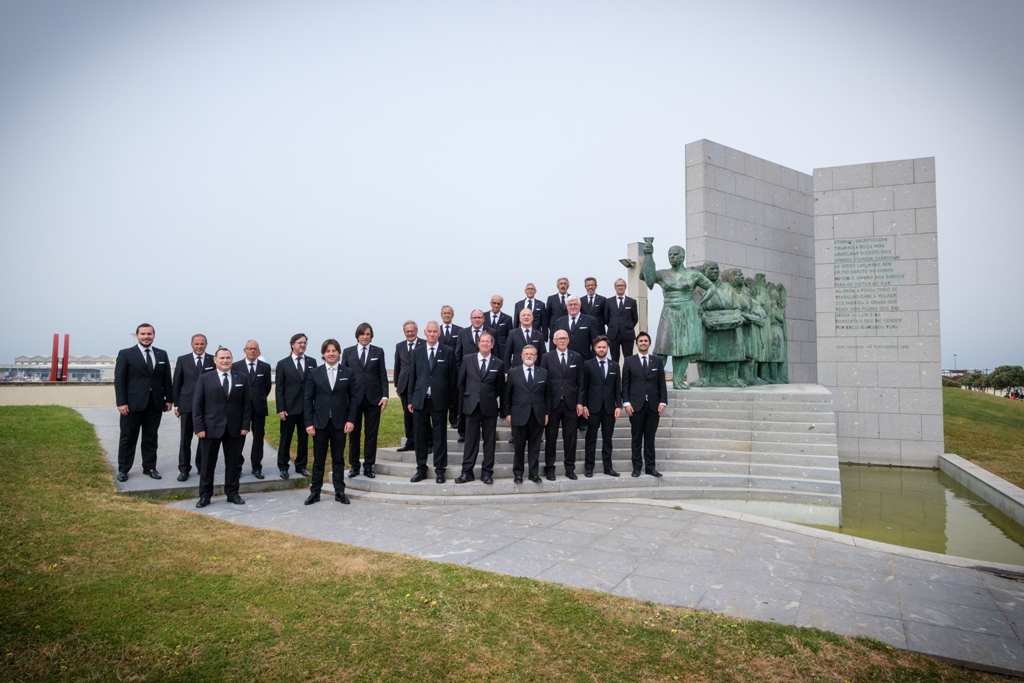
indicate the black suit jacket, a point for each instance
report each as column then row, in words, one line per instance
column 520, row 400
column 599, row 392
column 259, row 385
column 500, row 331
column 219, row 416
column 134, row 381
column 323, row 403
column 540, row 313
column 554, row 310
column 465, row 346
column 581, row 340
column 484, row 390
column 402, row 364
column 621, row 324
column 597, row 311
column 183, row 384
column 290, row 389
column 516, row 343
column 371, row 381
column 567, row 384
column 638, row 387
column 442, row 378
column 452, row 340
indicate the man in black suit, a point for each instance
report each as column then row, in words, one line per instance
column 257, row 374
column 290, row 379
column 221, row 411
column 525, row 335
column 433, row 378
column 565, row 373
column 526, row 404
column 187, row 369
column 581, row 327
column 644, row 397
column 602, row 401
column 593, row 304
column 481, row 384
column 556, row 305
column 143, row 391
column 620, row 316
column 371, row 379
column 403, row 356
column 450, row 338
column 330, row 408
column 535, row 306
column 498, row 324
column 466, row 345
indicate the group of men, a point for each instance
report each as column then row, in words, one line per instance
column 463, row 377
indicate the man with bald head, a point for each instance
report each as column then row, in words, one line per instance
column 565, row 373
column 525, row 335
column 257, row 374
column 433, row 378
column 535, row 306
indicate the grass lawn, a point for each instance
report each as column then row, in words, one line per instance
column 390, row 433
column 987, row 430
column 98, row 587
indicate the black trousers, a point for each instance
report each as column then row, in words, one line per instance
column 148, row 422
column 431, row 422
column 607, row 422
column 530, row 435
column 455, row 415
column 626, row 345
column 370, row 413
column 209, row 449
column 643, row 424
column 565, row 416
column 258, row 429
column 185, row 445
column 479, row 426
column 297, row 424
column 333, row 436
column 410, row 426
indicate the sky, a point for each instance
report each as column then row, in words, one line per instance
column 252, row 170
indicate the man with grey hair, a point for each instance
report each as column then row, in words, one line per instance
column 257, row 373
column 466, row 345
column 481, row 385
column 432, row 390
column 582, row 328
column 526, row 405
column 187, row 369
column 403, row 355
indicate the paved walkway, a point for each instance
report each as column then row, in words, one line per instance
column 694, row 557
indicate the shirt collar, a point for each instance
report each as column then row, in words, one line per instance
column 143, row 348
column 295, row 358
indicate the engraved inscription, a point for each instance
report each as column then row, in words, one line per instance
column 865, row 282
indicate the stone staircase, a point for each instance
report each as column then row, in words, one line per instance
column 765, row 450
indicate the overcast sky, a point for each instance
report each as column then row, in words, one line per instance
column 254, row 169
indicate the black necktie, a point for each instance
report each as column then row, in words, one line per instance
column 149, row 359
column 362, row 357
column 483, row 366
column 494, row 321
column 431, row 357
column 572, row 325
column 620, row 303
column 224, row 383
column 529, row 377
column 643, row 362
column 252, row 371
column 476, row 337
column 410, row 347
column 298, row 366
column 602, row 370
column 199, row 365
column 591, row 302
column 563, row 300
column 563, row 361
column 529, row 304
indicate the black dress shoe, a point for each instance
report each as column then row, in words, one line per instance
column 354, row 472
column 284, row 474
column 636, row 473
column 153, row 474
column 462, row 439
column 419, row 476
column 588, row 473
column 203, row 502
column 258, row 474
column 182, row 476
column 611, row 473
column 653, row 472
column 440, row 479
column 571, row 475
column 303, row 471
column 122, row 476
column 535, row 479
column 313, row 498
column 511, row 440
column 236, row 499
column 406, row 448
column 487, row 480
column 550, row 477
column 463, row 478
column 517, row 480
column 341, row 498
column 369, row 473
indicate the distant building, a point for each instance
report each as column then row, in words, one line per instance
column 80, row 369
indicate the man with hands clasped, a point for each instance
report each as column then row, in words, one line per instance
column 330, row 411
column 644, row 398
column 221, row 413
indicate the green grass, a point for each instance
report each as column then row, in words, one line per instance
column 98, row 587
column 987, row 430
column 390, row 433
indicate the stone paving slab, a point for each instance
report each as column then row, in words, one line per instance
column 964, row 611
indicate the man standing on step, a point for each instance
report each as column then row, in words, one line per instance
column 330, row 413
column 527, row 403
column 187, row 370
column 499, row 324
column 403, row 356
column 535, row 306
column 565, row 373
column 602, row 403
column 621, row 315
column 257, row 374
column 290, row 391
column 466, row 345
column 593, row 304
column 581, row 327
column 644, row 397
column 450, row 338
column 556, row 305
column 481, row 385
column 221, row 411
column 371, row 378
column 433, row 380
column 525, row 335
column 143, row 391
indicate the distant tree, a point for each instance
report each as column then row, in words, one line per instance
column 1007, row 377
column 947, row 382
column 969, row 379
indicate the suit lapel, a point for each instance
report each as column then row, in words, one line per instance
column 142, row 358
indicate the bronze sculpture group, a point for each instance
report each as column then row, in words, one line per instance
column 732, row 328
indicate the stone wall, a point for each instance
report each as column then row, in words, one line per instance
column 749, row 213
column 877, row 279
